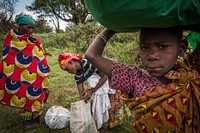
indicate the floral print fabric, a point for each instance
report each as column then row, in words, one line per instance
column 133, row 80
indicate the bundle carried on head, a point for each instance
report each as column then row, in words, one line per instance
column 131, row 15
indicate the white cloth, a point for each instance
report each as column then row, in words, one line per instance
column 100, row 100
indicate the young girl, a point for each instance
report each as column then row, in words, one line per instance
column 165, row 94
column 99, row 90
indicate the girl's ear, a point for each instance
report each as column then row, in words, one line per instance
column 183, row 45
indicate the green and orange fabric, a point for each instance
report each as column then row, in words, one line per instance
column 119, row 111
column 194, row 39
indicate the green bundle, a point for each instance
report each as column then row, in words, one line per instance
column 131, row 15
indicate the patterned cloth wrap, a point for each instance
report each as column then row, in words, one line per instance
column 119, row 111
column 24, row 72
column 170, row 108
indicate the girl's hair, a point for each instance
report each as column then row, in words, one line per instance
column 177, row 31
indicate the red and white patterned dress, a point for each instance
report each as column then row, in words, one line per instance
column 24, row 72
column 133, row 80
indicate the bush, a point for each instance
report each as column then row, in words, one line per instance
column 122, row 46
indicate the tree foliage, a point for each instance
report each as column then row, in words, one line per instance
column 121, row 47
column 72, row 11
column 7, row 10
column 42, row 26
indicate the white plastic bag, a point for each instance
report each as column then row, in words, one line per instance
column 57, row 117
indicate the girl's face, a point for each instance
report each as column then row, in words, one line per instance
column 158, row 51
column 26, row 29
column 71, row 68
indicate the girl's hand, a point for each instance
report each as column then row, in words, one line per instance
column 87, row 94
column 81, row 96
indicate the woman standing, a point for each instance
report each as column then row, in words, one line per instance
column 24, row 70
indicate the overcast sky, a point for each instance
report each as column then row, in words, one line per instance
column 20, row 6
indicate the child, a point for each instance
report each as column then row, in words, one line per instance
column 99, row 90
column 165, row 94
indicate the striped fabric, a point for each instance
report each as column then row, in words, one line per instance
column 87, row 71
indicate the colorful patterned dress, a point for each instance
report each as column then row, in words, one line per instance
column 115, row 108
column 160, row 108
column 169, row 108
column 24, row 72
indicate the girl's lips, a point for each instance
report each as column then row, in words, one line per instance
column 153, row 68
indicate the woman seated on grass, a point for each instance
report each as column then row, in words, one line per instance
column 165, row 94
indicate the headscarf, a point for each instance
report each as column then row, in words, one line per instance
column 64, row 58
column 23, row 20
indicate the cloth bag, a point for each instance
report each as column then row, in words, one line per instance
column 81, row 120
column 131, row 15
column 57, row 117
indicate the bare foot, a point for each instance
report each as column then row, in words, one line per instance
column 29, row 124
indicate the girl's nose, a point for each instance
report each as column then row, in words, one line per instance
column 153, row 54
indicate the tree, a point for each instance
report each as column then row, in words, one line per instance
column 42, row 26
column 73, row 11
column 7, row 10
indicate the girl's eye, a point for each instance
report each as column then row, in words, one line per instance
column 143, row 48
column 162, row 46
column 30, row 27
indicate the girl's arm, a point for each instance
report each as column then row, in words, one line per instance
column 88, row 93
column 102, row 80
column 81, row 89
column 95, row 50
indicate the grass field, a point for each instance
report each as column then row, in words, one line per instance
column 62, row 92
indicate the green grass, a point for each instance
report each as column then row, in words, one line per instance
column 63, row 91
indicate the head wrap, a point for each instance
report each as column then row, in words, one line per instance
column 21, row 20
column 64, row 58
